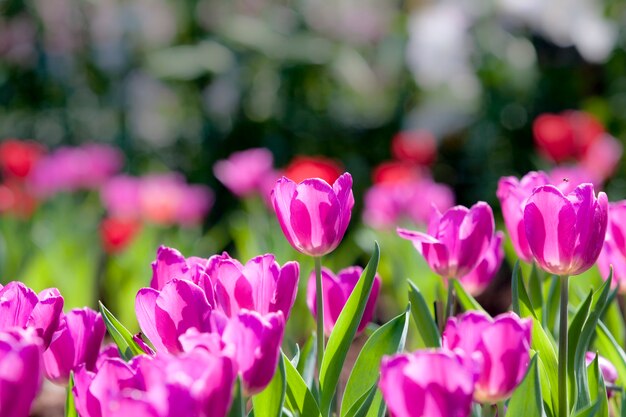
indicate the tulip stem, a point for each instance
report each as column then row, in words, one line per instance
column 563, row 405
column 320, row 313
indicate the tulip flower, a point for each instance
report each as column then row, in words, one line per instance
column 18, row 157
column 76, row 342
column 20, row 371
column 565, row 232
column 608, row 370
column 22, row 307
column 195, row 384
column 256, row 340
column 244, row 173
column 395, row 172
column 167, row 314
column 417, row 146
column 433, row 383
column 501, row 346
column 261, row 285
column 613, row 252
column 117, row 234
column 456, row 241
column 512, row 194
column 480, row 277
column 313, row 215
column 304, row 167
column 337, row 289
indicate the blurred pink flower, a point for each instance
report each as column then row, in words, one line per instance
column 246, row 172
column 69, row 169
column 613, row 252
column 602, row 157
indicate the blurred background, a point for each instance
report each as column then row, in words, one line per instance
column 115, row 115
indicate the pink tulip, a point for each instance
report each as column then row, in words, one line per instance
column 565, row 232
column 22, row 307
column 480, row 277
column 501, row 347
column 513, row 194
column 167, row 314
column 76, row 342
column 313, row 215
column 171, row 264
column 337, row 289
column 456, row 241
column 195, row 384
column 256, row 339
column 608, row 370
column 613, row 252
column 20, row 371
column 432, row 383
column 261, row 285
column 244, row 173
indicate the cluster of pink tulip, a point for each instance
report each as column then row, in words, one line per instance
column 215, row 326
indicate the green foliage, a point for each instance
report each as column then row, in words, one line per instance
column 527, row 399
column 270, row 401
column 120, row 335
column 423, row 318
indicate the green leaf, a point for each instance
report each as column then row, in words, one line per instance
column 536, row 294
column 422, row 317
column 522, row 305
column 270, row 401
column 574, row 333
column 467, row 301
column 298, row 397
column 121, row 336
column 549, row 374
column 306, row 364
column 70, row 407
column 527, row 398
column 361, row 407
column 343, row 333
column 388, row 339
column 610, row 349
column 595, row 378
column 238, row 407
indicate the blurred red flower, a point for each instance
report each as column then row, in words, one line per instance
column 303, row 167
column 116, row 233
column 18, row 157
column 394, row 172
column 16, row 200
column 417, row 146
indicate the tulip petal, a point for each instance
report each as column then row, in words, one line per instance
column 475, row 234
column 145, row 310
column 168, row 265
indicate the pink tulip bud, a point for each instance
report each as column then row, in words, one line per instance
column 480, row 277
column 608, row 370
column 501, row 347
column 261, row 285
column 20, row 371
column 456, row 241
column 313, row 215
column 613, row 252
column 198, row 383
column 433, row 383
column 337, row 290
column 565, row 232
column 245, row 172
column 76, row 342
column 513, row 194
column 22, row 307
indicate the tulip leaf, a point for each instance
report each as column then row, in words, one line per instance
column 343, row 333
column 70, row 407
column 306, row 364
column 298, row 397
column 423, row 318
column 238, row 406
column 535, row 292
column 467, row 301
column 363, row 404
column 121, row 336
column 527, row 398
column 595, row 378
column 522, row 305
column 610, row 349
column 541, row 343
column 598, row 306
column 574, row 333
column 270, row 401
column 388, row 339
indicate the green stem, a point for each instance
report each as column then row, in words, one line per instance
column 450, row 301
column 501, row 411
column 563, row 405
column 320, row 312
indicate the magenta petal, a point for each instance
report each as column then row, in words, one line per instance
column 475, row 234
column 592, row 219
column 168, row 265
column 343, row 189
column 434, row 251
column 180, row 305
column 281, row 196
column 286, row 288
column 257, row 341
column 550, row 222
column 45, row 315
column 465, row 331
column 480, row 277
column 145, row 310
column 17, row 302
